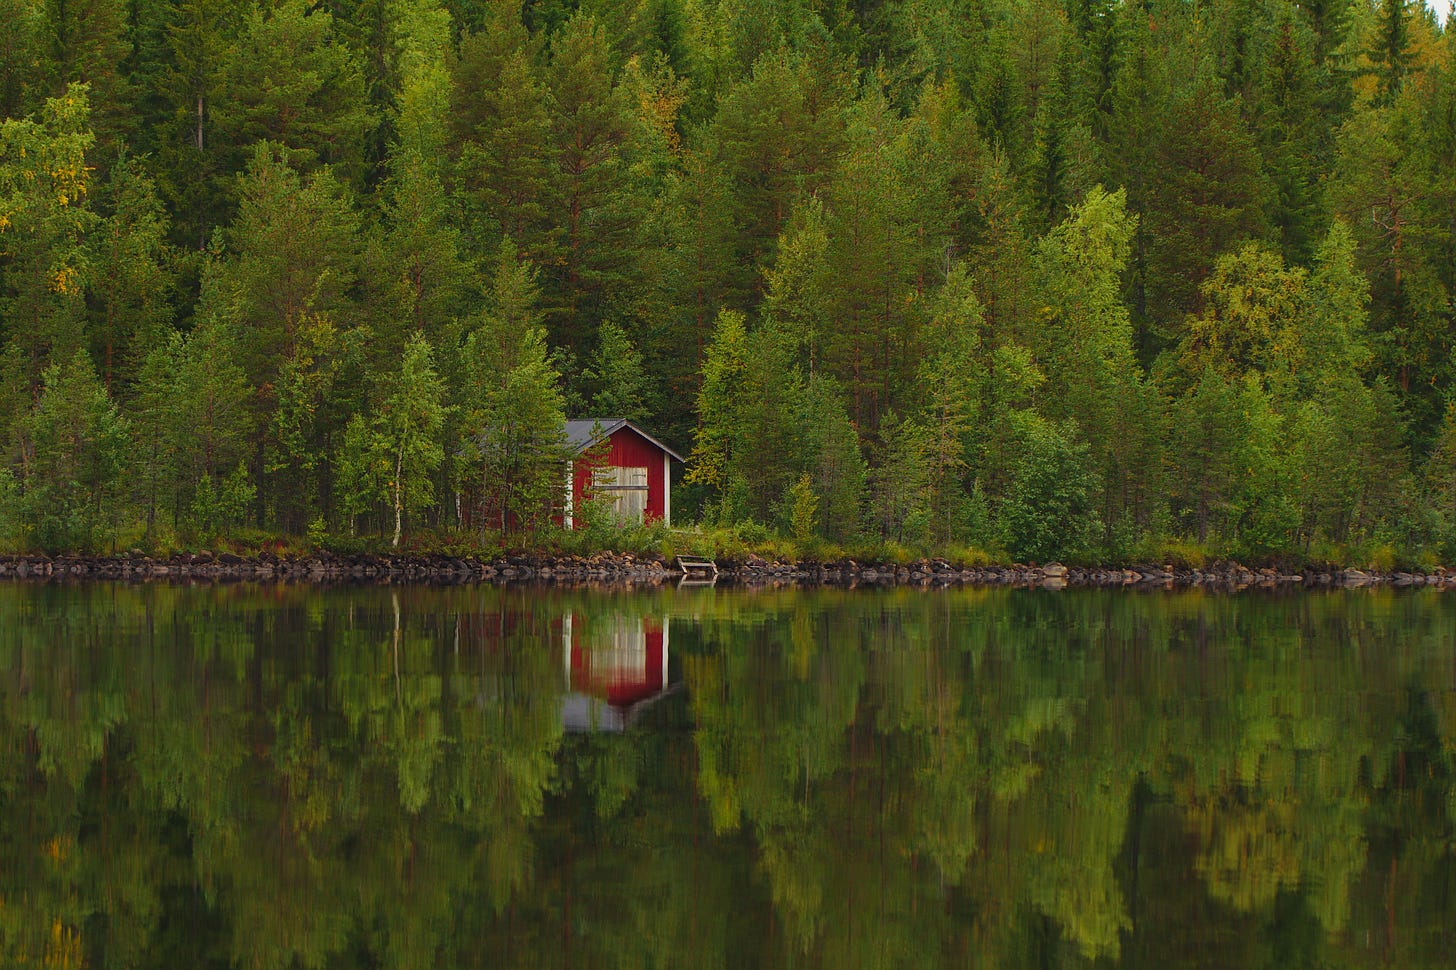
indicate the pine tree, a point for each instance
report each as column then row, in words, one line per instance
column 1390, row 49
column 423, row 246
column 697, row 238
column 1208, row 426
column 371, row 30
column 299, row 428
column 950, row 378
column 21, row 83
column 834, row 461
column 591, row 122
column 286, row 81
column 1206, row 192
column 88, row 45
column 1288, row 126
column 504, row 157
column 774, row 138
column 859, row 265
column 294, row 254
column 192, row 158
column 210, row 417
column 900, row 483
column 1084, row 343
column 719, row 400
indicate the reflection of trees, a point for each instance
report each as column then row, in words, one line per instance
column 299, row 778
column 1011, row 733
column 272, row 777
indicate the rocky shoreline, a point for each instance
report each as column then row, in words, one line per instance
column 938, row 572
column 626, row 569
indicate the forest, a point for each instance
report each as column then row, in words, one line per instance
column 1089, row 279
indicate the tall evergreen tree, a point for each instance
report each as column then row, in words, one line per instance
column 293, row 253
column 134, row 274
column 514, row 452
column 591, row 122
column 410, row 418
column 193, row 158
column 21, row 83
column 1288, row 124
column 422, row 244
column 622, row 388
column 774, row 138
column 89, row 45
column 1390, row 48
column 504, row 155
column 1206, row 191
column 286, row 79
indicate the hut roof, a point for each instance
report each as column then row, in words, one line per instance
column 583, row 433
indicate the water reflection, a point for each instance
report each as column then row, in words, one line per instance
column 276, row 777
column 616, row 668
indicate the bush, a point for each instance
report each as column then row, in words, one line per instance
column 1048, row 513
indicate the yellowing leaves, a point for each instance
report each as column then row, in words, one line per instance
column 66, row 281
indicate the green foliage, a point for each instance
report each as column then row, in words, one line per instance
column 76, row 446
column 284, row 80
column 44, row 221
column 514, row 454
column 802, row 506
column 10, row 520
column 763, row 228
column 616, row 370
column 218, row 507
column 901, row 481
column 1048, row 511
column 835, row 461
column 718, row 403
column 392, row 458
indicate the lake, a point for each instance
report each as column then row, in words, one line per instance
column 281, row 776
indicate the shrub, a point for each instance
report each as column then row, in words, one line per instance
column 1048, row 511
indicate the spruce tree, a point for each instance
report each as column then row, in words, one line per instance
column 135, row 272
column 423, row 246
column 75, row 448
column 504, row 156
column 598, row 212
column 616, row 371
column 286, row 80
column 513, row 455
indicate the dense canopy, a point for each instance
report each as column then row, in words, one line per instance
column 1087, row 278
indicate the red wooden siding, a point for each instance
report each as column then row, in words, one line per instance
column 628, row 449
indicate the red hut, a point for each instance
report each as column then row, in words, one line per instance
column 618, row 461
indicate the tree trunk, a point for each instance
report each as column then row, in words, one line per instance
column 398, row 492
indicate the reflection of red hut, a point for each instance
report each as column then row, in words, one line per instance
column 612, row 671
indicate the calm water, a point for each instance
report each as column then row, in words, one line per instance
column 279, row 777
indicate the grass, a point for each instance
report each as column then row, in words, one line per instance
column 598, row 534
